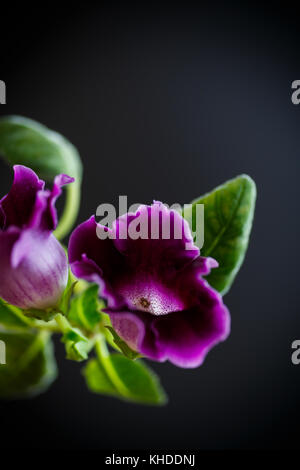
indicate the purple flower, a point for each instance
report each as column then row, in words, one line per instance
column 34, row 268
column 157, row 300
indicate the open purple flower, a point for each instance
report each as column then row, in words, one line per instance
column 34, row 268
column 157, row 300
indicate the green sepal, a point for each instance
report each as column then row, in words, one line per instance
column 64, row 305
column 77, row 345
column 46, row 315
column 123, row 347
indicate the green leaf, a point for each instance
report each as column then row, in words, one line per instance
column 65, row 302
column 106, row 323
column 123, row 347
column 30, row 364
column 77, row 346
column 12, row 317
column 97, row 379
column 84, row 309
column 76, row 343
column 24, row 141
column 135, row 382
column 228, row 216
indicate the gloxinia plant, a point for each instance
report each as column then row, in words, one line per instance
column 123, row 298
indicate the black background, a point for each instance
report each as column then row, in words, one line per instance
column 166, row 102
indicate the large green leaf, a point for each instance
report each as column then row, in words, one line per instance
column 30, row 364
column 124, row 379
column 228, row 215
column 97, row 379
column 29, row 143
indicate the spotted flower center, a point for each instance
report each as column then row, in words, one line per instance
column 150, row 296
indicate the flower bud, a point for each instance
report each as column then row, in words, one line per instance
column 34, row 267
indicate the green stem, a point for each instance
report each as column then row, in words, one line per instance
column 71, row 209
column 105, row 360
column 32, row 351
column 45, row 326
column 62, row 323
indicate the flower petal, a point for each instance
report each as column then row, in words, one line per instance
column 18, row 204
column 49, row 219
column 162, row 293
column 165, row 241
column 95, row 259
column 28, row 204
column 138, row 274
column 185, row 337
column 44, row 215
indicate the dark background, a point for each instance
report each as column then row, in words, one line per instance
column 166, row 102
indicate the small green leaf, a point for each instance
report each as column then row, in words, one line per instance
column 30, row 364
column 228, row 216
column 29, row 143
column 76, row 343
column 139, row 384
column 106, row 323
column 12, row 317
column 124, row 348
column 65, row 302
column 77, row 346
column 84, row 309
